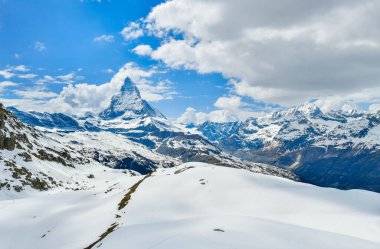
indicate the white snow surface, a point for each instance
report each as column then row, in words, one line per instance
column 194, row 205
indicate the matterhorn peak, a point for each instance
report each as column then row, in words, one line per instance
column 129, row 87
column 128, row 104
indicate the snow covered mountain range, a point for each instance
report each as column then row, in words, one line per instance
column 30, row 155
column 335, row 149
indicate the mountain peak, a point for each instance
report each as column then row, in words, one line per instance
column 309, row 109
column 129, row 87
column 128, row 104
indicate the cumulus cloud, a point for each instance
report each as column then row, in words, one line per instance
column 132, row 31
column 229, row 108
column 104, row 38
column 228, row 103
column 143, row 50
column 284, row 52
column 191, row 115
column 80, row 99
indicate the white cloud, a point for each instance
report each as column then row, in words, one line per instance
column 79, row 99
column 25, row 104
column 156, row 91
column 374, row 108
column 6, row 73
column 228, row 103
column 39, row 46
column 132, row 31
column 34, row 94
column 27, row 76
column 6, row 84
column 143, row 50
column 229, row 108
column 104, row 38
column 67, row 77
column 19, row 68
column 317, row 49
column 191, row 115
column 11, row 71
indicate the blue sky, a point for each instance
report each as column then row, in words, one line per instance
column 201, row 60
column 67, row 29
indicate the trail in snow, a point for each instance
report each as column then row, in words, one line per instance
column 122, row 204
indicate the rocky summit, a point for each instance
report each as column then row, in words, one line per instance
column 128, row 104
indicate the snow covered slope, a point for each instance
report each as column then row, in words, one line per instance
column 38, row 160
column 335, row 149
column 30, row 160
column 193, row 206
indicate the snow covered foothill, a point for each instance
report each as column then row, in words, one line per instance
column 194, row 205
column 61, row 218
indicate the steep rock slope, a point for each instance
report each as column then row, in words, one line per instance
column 31, row 160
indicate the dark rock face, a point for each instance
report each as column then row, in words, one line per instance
column 8, row 139
column 133, row 161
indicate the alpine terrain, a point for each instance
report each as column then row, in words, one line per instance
column 338, row 149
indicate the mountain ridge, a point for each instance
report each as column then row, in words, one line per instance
column 334, row 149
